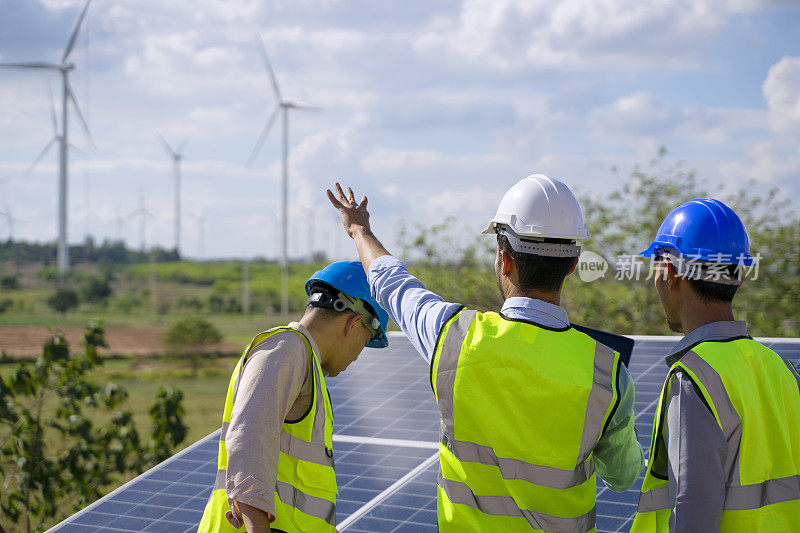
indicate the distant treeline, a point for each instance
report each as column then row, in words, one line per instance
column 89, row 252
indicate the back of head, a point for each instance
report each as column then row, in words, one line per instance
column 538, row 223
column 707, row 244
column 342, row 286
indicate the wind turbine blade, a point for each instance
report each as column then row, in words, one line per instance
column 268, row 66
column 181, row 146
column 72, row 39
column 80, row 115
column 53, row 111
column 29, row 65
column 40, row 156
column 263, row 136
column 77, row 149
column 306, row 107
column 166, row 146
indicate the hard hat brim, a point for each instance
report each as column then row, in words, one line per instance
column 490, row 229
column 378, row 341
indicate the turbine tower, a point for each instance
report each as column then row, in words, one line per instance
column 143, row 215
column 64, row 67
column 177, row 157
column 282, row 106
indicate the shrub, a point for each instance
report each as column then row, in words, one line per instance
column 63, row 300
column 9, row 282
column 96, row 289
column 189, row 334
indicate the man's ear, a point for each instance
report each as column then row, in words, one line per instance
column 672, row 276
column 506, row 263
column 352, row 321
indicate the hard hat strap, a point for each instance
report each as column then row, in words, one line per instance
column 370, row 321
column 537, row 245
column 338, row 301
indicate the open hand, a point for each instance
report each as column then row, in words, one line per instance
column 355, row 216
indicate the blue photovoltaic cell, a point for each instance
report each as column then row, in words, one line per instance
column 384, row 395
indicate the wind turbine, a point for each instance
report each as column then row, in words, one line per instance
column 56, row 137
column 143, row 215
column 177, row 157
column 10, row 219
column 64, row 67
column 282, row 106
column 121, row 225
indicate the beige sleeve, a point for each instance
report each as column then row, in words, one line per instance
column 274, row 383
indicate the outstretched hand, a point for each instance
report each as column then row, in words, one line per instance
column 355, row 216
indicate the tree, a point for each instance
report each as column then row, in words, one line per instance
column 191, row 336
column 54, row 457
column 63, row 300
column 96, row 289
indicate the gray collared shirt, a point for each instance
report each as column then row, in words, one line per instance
column 696, row 446
column 421, row 314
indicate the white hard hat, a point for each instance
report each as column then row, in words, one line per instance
column 538, row 208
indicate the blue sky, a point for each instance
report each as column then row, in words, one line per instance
column 430, row 108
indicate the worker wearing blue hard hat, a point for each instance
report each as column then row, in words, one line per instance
column 275, row 462
column 725, row 450
column 532, row 409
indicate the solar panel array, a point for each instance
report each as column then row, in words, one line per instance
column 386, row 428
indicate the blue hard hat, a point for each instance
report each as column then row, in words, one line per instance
column 348, row 277
column 704, row 229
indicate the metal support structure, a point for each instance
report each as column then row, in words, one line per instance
column 285, row 214
column 177, row 170
column 62, row 254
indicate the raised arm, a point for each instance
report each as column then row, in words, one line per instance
column 418, row 312
column 355, row 219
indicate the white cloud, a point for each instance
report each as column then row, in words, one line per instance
column 584, row 35
column 462, row 202
column 782, row 92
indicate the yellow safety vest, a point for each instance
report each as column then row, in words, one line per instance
column 305, row 492
column 522, row 408
column 756, row 403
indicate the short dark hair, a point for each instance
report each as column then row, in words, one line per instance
column 327, row 314
column 711, row 292
column 539, row 272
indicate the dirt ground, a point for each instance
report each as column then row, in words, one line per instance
column 20, row 342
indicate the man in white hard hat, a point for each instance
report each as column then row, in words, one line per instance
column 530, row 407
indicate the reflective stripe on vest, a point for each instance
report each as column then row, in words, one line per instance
column 458, row 492
column 760, row 390
column 306, row 443
column 600, row 389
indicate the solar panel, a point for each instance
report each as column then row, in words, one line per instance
column 386, row 428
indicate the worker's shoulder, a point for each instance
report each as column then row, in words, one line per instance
column 597, row 344
column 286, row 343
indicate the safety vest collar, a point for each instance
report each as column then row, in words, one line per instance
column 720, row 331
